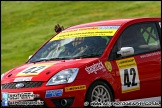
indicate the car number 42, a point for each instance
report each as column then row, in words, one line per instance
column 128, row 75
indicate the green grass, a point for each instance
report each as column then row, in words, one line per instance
column 26, row 25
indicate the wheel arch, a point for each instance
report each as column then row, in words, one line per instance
column 103, row 80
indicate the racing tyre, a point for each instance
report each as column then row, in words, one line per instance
column 98, row 92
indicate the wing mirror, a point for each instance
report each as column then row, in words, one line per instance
column 126, row 51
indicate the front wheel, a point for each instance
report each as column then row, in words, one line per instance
column 99, row 92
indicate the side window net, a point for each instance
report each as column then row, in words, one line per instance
column 143, row 37
column 149, row 35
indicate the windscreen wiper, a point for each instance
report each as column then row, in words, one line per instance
column 59, row 58
column 50, row 59
column 88, row 56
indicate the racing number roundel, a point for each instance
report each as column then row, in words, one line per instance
column 33, row 70
column 128, row 74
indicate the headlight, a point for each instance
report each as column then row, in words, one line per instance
column 2, row 76
column 64, row 76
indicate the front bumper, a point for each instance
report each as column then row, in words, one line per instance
column 73, row 97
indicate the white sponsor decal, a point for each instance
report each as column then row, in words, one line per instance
column 95, row 67
column 151, row 54
column 108, row 27
column 22, row 79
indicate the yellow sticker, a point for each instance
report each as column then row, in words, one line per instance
column 128, row 75
column 108, row 66
column 34, row 69
column 125, row 63
column 87, row 32
column 74, row 88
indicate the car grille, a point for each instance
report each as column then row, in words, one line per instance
column 26, row 85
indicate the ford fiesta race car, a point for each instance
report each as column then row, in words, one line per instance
column 92, row 64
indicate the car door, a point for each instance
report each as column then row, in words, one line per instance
column 140, row 73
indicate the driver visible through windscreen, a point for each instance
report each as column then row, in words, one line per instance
column 76, row 43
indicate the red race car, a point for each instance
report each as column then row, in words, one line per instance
column 104, row 63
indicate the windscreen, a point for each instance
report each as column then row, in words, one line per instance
column 75, row 43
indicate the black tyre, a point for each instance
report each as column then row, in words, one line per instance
column 99, row 91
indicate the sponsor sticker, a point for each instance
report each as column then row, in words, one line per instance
column 108, row 66
column 34, row 70
column 108, row 27
column 151, row 54
column 87, row 32
column 75, row 88
column 128, row 74
column 95, row 67
column 22, row 79
column 54, row 93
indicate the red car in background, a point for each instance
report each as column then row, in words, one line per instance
column 105, row 61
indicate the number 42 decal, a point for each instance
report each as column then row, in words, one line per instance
column 128, row 75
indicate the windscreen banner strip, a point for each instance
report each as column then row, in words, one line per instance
column 87, row 32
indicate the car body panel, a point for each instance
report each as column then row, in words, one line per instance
column 54, row 66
